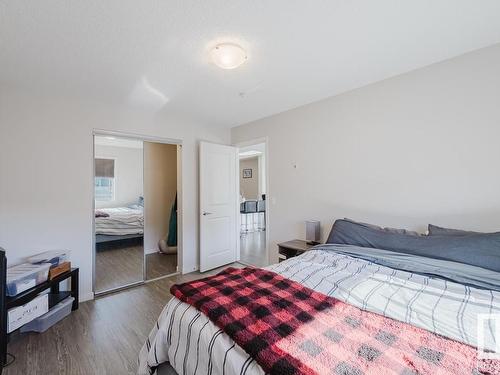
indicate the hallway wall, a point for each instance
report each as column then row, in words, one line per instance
column 160, row 187
column 249, row 187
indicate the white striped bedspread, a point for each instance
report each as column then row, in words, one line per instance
column 194, row 345
column 121, row 221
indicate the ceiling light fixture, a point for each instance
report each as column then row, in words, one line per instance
column 228, row 55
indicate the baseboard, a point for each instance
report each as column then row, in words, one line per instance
column 170, row 250
column 89, row 296
column 186, row 270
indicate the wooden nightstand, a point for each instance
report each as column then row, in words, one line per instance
column 292, row 248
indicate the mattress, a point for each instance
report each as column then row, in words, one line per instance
column 121, row 221
column 194, row 345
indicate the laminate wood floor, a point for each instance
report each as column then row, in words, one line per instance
column 120, row 266
column 253, row 249
column 158, row 264
column 102, row 337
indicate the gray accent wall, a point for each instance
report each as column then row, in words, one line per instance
column 419, row 148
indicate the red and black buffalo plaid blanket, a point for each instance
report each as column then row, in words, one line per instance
column 290, row 329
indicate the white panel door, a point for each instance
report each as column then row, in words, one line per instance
column 219, row 205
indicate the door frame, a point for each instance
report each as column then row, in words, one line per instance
column 253, row 142
column 144, row 138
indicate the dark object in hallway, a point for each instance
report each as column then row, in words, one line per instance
column 172, row 226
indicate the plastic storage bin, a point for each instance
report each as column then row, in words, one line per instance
column 18, row 316
column 54, row 257
column 26, row 276
column 55, row 314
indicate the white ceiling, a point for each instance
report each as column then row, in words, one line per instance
column 154, row 54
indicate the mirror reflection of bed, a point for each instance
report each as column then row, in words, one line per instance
column 135, row 211
column 119, row 252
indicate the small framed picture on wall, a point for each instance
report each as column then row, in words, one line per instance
column 247, row 173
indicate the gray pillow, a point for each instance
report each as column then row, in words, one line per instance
column 387, row 229
column 482, row 250
column 434, row 230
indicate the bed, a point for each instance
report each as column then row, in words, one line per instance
column 437, row 295
column 119, row 221
column 118, row 225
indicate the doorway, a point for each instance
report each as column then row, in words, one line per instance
column 136, row 186
column 253, row 204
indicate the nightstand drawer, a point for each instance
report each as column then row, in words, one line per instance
column 291, row 249
column 287, row 252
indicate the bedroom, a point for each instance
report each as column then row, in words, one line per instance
column 381, row 113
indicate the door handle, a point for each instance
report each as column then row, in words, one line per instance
column 207, row 213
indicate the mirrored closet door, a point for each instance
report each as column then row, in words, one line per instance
column 160, row 189
column 119, row 212
column 135, row 211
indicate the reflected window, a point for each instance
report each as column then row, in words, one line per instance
column 104, row 181
column 104, row 189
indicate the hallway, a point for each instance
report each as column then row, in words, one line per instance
column 253, row 249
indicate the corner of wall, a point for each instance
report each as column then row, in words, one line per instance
column 88, row 296
column 186, row 270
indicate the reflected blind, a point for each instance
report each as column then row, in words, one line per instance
column 104, row 168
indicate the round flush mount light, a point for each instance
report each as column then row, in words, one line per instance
column 228, row 55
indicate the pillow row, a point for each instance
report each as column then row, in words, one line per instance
column 477, row 249
column 433, row 230
column 386, row 229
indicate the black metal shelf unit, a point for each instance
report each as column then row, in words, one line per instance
column 55, row 296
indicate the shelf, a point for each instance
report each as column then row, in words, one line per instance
column 31, row 293
column 55, row 298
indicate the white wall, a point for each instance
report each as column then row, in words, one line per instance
column 128, row 174
column 423, row 147
column 46, row 187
